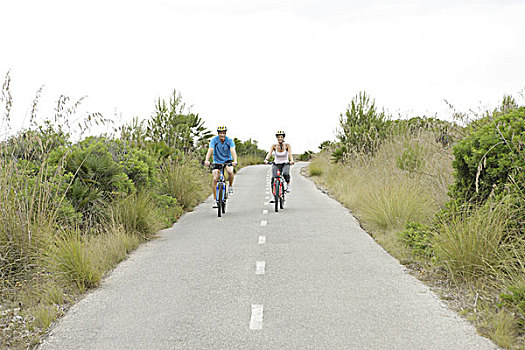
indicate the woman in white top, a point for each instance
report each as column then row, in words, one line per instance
column 283, row 156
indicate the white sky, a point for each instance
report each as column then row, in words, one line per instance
column 261, row 66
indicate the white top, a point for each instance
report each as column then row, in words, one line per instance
column 281, row 157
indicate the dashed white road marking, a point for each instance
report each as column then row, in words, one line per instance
column 265, row 203
column 267, row 197
column 260, row 267
column 262, row 239
column 265, row 211
column 256, row 321
column 264, row 222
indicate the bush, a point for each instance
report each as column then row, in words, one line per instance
column 491, row 160
column 306, row 156
column 417, row 238
column 362, row 127
column 411, row 159
column 514, row 299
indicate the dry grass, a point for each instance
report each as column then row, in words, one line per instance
column 383, row 196
column 407, row 180
column 472, row 243
column 187, row 182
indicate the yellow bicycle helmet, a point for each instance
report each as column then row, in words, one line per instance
column 222, row 128
column 280, row 132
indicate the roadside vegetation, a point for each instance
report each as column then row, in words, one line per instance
column 445, row 198
column 73, row 206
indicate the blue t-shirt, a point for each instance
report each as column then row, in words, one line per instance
column 222, row 151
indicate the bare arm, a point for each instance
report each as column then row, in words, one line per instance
column 234, row 155
column 290, row 155
column 269, row 154
column 208, row 155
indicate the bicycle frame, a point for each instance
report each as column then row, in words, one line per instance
column 278, row 189
column 221, row 183
column 221, row 195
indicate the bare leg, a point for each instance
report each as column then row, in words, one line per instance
column 229, row 170
column 215, row 173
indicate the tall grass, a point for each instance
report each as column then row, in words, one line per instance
column 381, row 193
column 249, row 159
column 474, row 243
column 138, row 214
column 26, row 219
column 51, row 247
column 69, row 257
column 186, row 181
column 407, row 182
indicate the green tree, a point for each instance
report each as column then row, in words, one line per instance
column 175, row 125
column 248, row 147
column 363, row 127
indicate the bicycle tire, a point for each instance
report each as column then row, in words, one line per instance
column 276, row 185
column 219, row 201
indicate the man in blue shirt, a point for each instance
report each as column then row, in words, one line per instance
column 223, row 150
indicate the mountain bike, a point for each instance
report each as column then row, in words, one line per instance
column 278, row 189
column 221, row 190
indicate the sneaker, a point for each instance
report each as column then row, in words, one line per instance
column 272, row 201
column 230, row 190
column 215, row 206
column 289, row 187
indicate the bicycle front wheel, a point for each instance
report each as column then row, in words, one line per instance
column 219, row 201
column 276, row 186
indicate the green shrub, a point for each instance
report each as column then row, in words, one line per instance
column 417, row 238
column 411, row 159
column 306, row 156
column 36, row 144
column 169, row 207
column 363, row 127
column 515, row 300
column 491, row 159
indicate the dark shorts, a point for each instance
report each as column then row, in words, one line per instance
column 218, row 166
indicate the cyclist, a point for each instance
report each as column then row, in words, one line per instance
column 223, row 150
column 283, row 155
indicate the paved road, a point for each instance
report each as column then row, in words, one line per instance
column 308, row 279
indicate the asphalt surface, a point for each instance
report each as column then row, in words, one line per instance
column 311, row 278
